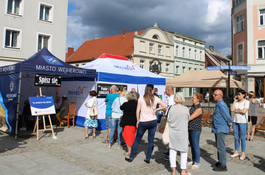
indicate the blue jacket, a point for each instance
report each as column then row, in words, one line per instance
column 221, row 118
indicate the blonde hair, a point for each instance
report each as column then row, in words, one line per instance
column 179, row 97
column 123, row 93
column 131, row 96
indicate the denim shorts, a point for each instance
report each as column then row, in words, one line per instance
column 108, row 121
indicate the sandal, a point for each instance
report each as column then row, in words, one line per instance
column 194, row 166
column 128, row 159
column 234, row 155
column 188, row 173
column 105, row 141
column 190, row 163
column 126, row 154
column 119, row 146
column 242, row 158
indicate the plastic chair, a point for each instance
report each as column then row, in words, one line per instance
column 70, row 116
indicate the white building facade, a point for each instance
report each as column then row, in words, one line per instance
column 189, row 54
column 26, row 26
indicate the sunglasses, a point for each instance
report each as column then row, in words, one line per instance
column 215, row 95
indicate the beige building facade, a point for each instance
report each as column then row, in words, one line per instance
column 153, row 51
column 26, row 26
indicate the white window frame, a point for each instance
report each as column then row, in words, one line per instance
column 151, row 48
column 262, row 15
column 190, row 53
column 159, row 48
column 183, row 52
column 49, row 42
column 19, row 38
column 167, row 67
column 142, row 64
column 21, row 8
column 183, row 67
column 237, row 49
column 51, row 12
column 177, row 50
column 195, row 54
column 240, row 23
column 262, row 50
column 200, row 55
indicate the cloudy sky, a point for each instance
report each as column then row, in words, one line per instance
column 207, row 20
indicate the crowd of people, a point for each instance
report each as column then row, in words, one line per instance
column 128, row 116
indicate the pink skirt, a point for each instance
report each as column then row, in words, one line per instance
column 129, row 134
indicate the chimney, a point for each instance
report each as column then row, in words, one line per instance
column 211, row 48
column 124, row 32
column 70, row 51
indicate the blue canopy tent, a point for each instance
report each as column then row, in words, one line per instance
column 42, row 62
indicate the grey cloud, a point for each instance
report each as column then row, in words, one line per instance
column 189, row 17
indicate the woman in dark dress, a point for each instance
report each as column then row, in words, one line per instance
column 129, row 120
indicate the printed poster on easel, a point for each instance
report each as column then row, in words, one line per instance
column 41, row 105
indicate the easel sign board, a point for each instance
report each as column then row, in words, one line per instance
column 41, row 105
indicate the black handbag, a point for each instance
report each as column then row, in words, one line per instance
column 122, row 122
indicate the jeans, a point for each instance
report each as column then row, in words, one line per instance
column 221, row 148
column 108, row 121
column 194, row 138
column 142, row 127
column 240, row 130
column 115, row 122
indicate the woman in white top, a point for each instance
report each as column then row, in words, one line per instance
column 116, row 118
column 91, row 121
column 240, row 107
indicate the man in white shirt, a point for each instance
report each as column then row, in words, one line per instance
column 170, row 94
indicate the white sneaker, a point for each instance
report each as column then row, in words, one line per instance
column 23, row 129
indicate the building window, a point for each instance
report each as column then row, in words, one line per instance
column 151, row 48
column 200, row 55
column 167, row 68
column 189, row 52
column 183, row 52
column 43, row 41
column 262, row 17
column 45, row 12
column 177, row 69
column 177, row 51
column 240, row 23
column 13, row 7
column 195, row 54
column 155, row 37
column 240, row 52
column 183, row 69
column 261, row 49
column 12, row 38
column 142, row 64
column 159, row 50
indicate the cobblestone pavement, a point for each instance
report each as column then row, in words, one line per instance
column 71, row 154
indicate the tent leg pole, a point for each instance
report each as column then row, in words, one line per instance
column 95, row 84
column 18, row 101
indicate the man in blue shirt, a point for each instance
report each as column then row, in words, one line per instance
column 108, row 101
column 222, row 121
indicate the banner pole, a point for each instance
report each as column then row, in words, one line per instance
column 18, row 101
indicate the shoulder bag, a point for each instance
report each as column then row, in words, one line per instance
column 93, row 111
column 165, row 136
column 163, row 122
